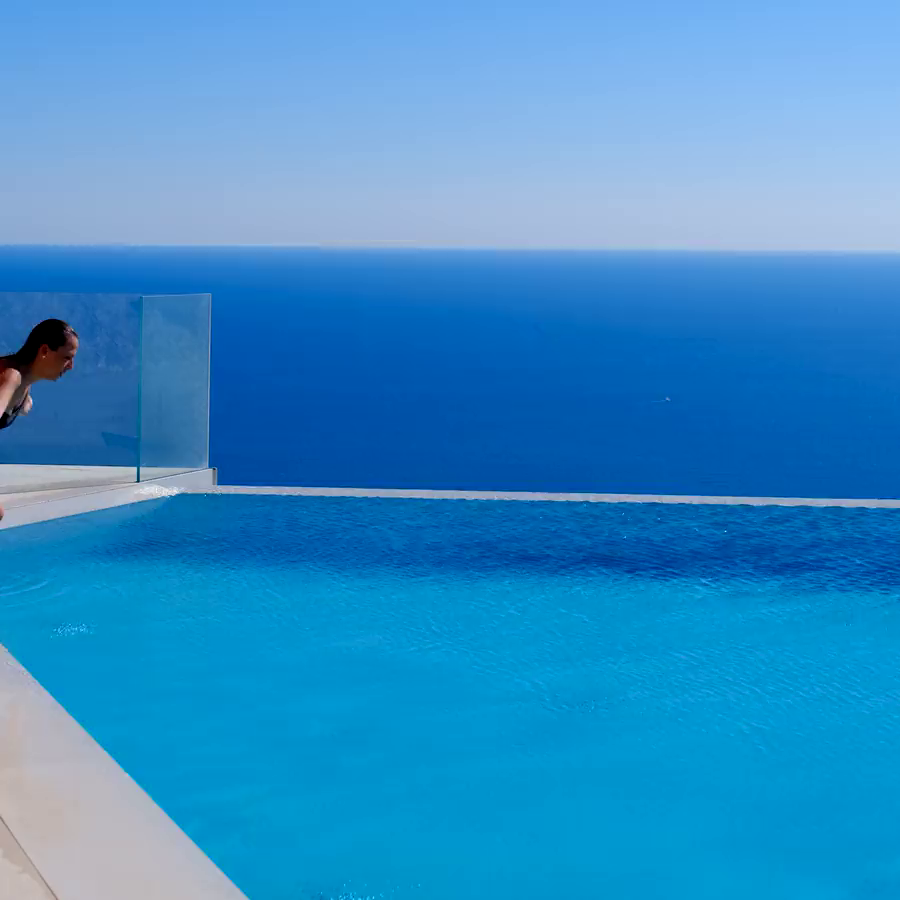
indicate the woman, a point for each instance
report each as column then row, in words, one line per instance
column 47, row 354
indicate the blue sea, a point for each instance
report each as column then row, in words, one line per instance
column 622, row 372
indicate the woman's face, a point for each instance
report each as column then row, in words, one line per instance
column 53, row 364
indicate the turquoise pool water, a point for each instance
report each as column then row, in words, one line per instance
column 452, row 699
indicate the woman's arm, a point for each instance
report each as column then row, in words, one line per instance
column 27, row 403
column 10, row 379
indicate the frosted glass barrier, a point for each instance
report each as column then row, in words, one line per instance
column 174, row 398
column 82, row 429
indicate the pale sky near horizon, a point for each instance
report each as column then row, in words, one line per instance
column 659, row 125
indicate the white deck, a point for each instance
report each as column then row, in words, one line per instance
column 21, row 478
column 76, row 827
column 19, row 879
column 68, row 497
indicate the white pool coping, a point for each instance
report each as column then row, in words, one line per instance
column 20, row 478
column 29, row 507
column 19, row 878
column 537, row 496
column 78, row 819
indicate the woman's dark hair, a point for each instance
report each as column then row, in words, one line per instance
column 53, row 332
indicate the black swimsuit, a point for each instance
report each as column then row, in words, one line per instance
column 9, row 417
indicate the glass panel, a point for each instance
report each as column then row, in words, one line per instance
column 174, row 432
column 82, row 429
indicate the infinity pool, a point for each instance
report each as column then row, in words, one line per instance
column 437, row 700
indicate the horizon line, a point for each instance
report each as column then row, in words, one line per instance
column 452, row 248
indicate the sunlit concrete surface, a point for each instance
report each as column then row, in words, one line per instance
column 75, row 826
column 19, row 879
column 551, row 497
column 28, row 507
column 20, row 478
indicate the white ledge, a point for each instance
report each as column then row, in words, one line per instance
column 76, row 817
column 417, row 494
column 29, row 507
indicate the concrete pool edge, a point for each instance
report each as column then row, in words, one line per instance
column 42, row 506
column 31, row 507
column 76, row 816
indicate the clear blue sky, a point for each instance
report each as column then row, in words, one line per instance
column 556, row 124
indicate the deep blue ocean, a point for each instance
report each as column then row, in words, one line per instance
column 635, row 372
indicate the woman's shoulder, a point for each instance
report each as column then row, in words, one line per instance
column 9, row 373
